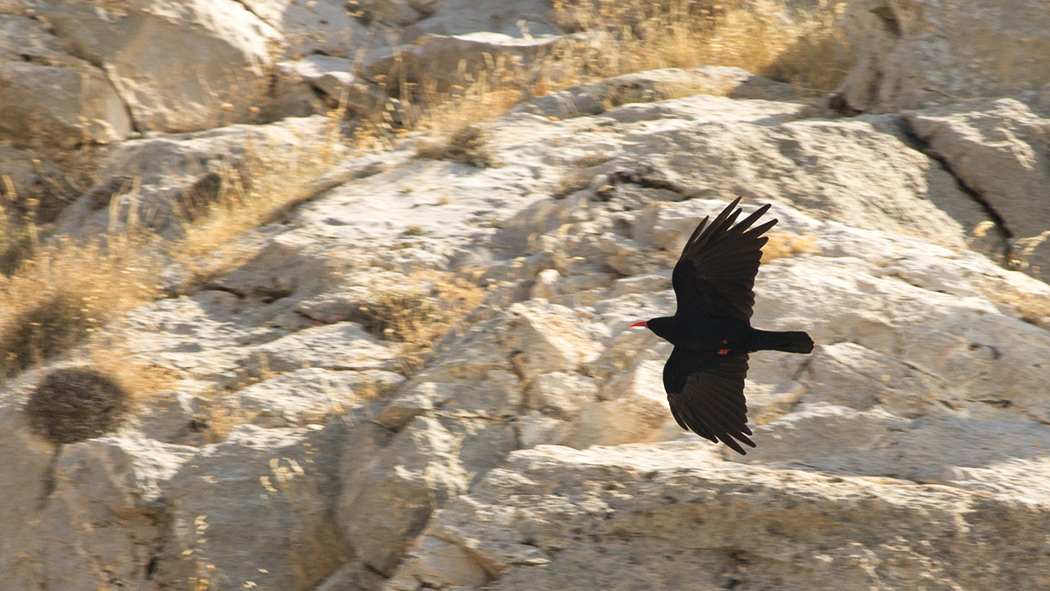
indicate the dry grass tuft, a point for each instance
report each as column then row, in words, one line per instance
column 795, row 46
column 219, row 420
column 788, row 244
column 64, row 293
column 260, row 190
column 591, row 159
column 467, row 145
column 1033, row 308
column 417, row 318
column 142, row 378
column 575, row 180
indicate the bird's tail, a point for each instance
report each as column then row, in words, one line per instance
column 791, row 341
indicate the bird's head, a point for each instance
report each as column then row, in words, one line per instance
column 662, row 327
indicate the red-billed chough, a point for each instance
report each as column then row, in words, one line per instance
column 711, row 329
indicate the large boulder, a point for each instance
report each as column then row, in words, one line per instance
column 50, row 97
column 82, row 515
column 653, row 86
column 1000, row 150
column 914, row 54
column 254, row 511
column 388, row 494
column 312, row 26
column 666, row 517
column 221, row 76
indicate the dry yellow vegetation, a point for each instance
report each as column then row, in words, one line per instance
column 799, row 47
column 418, row 315
column 783, row 244
column 65, row 292
column 56, row 295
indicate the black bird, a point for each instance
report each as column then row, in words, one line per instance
column 711, row 330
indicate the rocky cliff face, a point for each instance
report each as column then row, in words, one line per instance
column 300, row 448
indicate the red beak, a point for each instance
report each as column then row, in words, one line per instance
column 639, row 323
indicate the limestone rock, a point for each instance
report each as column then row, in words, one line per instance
column 307, row 396
column 543, row 341
column 50, row 98
column 840, row 440
column 333, row 77
column 227, row 46
column 159, row 183
column 384, row 504
column 352, row 576
column 633, row 409
column 561, row 394
column 332, row 471
column 339, row 347
column 664, row 516
column 319, row 27
column 26, row 480
column 798, row 162
column 1001, row 150
column 269, row 490
column 95, row 517
column 646, row 87
column 446, row 59
column 911, row 55
column 459, row 17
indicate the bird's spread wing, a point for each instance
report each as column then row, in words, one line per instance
column 706, row 395
column 715, row 275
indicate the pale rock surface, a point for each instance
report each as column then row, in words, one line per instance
column 841, row 440
column 448, row 59
column 340, row 347
column 930, row 364
column 651, row 86
column 458, row 17
column 912, row 55
column 549, row 358
column 26, row 480
column 386, row 502
column 81, row 104
column 332, row 76
column 224, row 51
column 83, row 515
column 561, row 394
column 398, row 26
column 632, row 409
column 320, row 27
column 999, row 149
column 669, row 517
column 156, row 182
column 307, row 396
column 254, row 510
column 539, row 343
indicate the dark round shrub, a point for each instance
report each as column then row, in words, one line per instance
column 76, row 403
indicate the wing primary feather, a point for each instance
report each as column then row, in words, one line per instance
column 753, row 217
column 695, row 422
column 718, row 434
column 759, row 230
column 700, row 414
column 696, row 233
column 719, row 415
column 724, row 219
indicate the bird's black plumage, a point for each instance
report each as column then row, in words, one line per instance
column 711, row 330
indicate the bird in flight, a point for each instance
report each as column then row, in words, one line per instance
column 711, row 329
